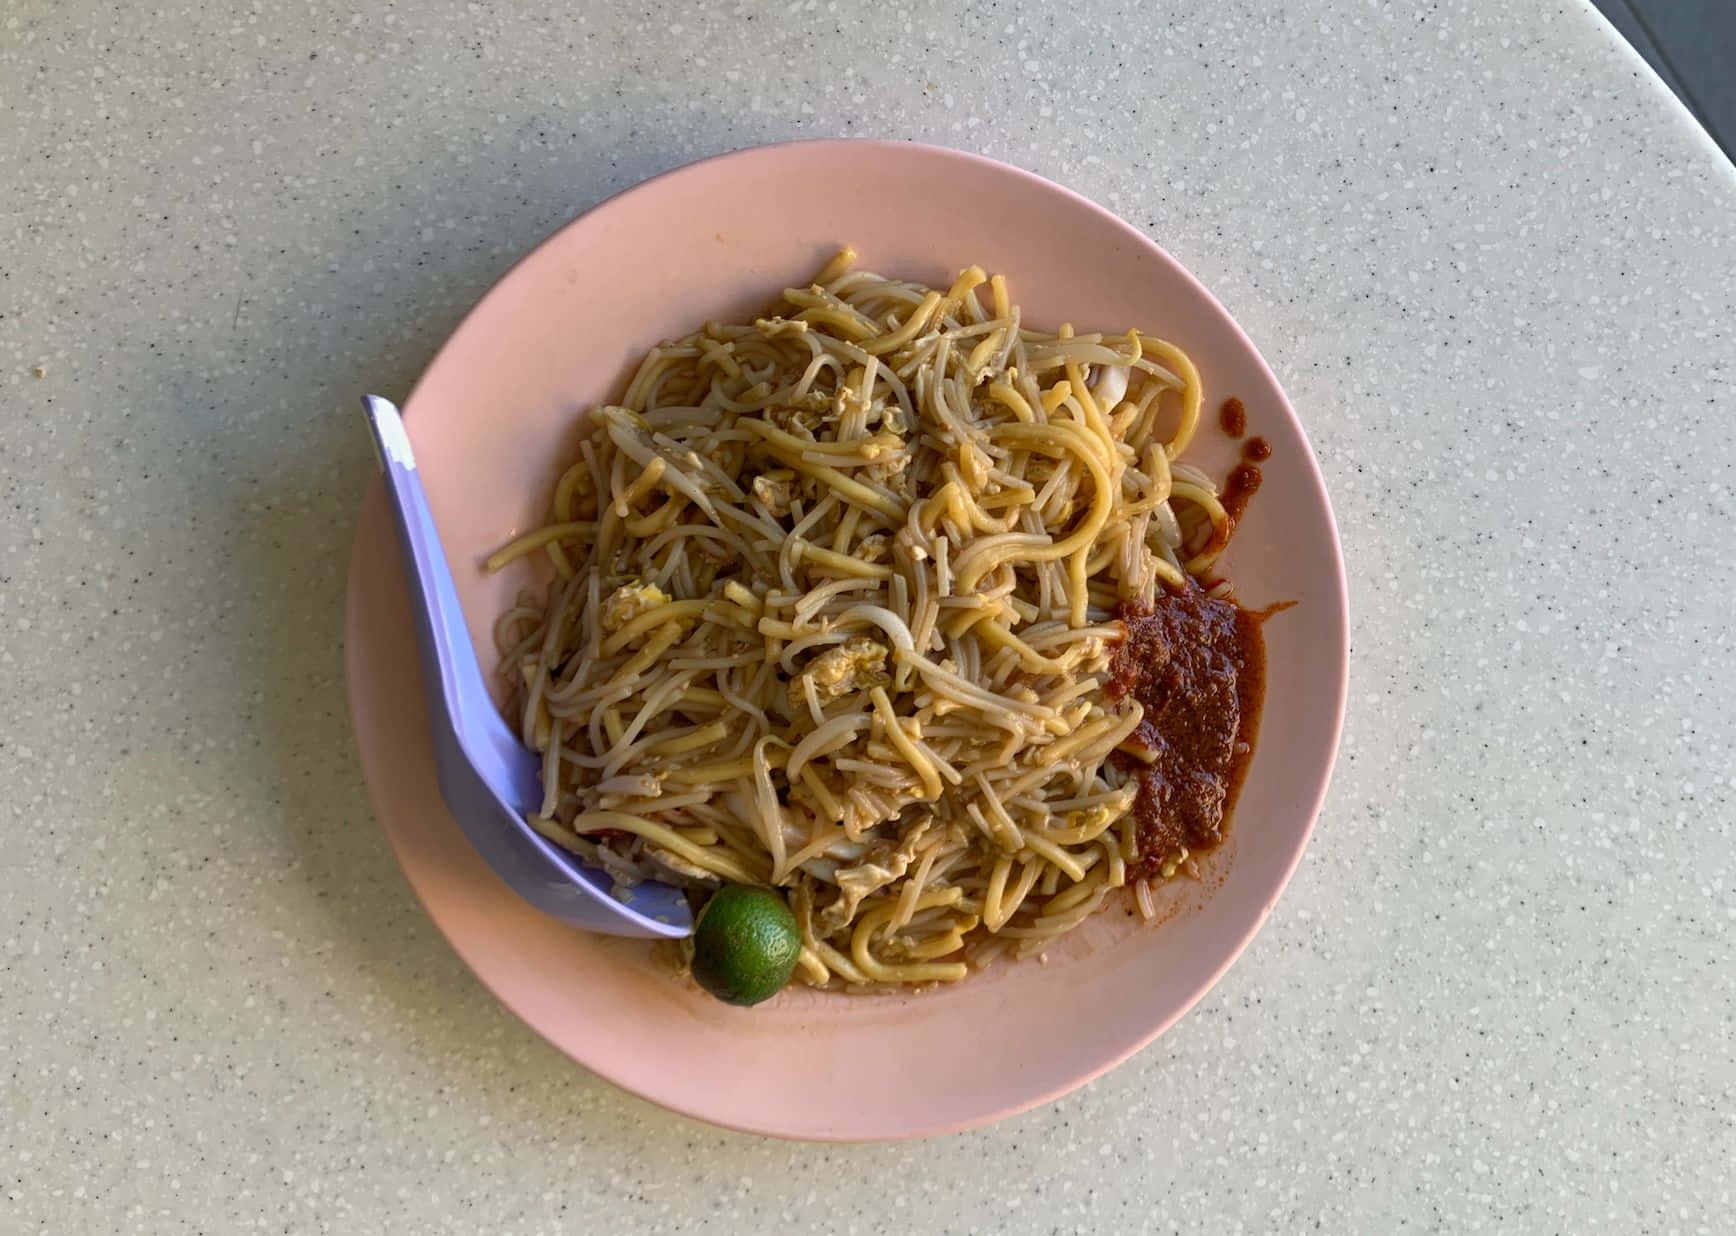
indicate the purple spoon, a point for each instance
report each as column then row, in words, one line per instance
column 487, row 777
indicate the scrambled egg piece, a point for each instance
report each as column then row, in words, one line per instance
column 883, row 863
column 857, row 665
column 1093, row 818
column 874, row 548
column 775, row 490
column 802, row 421
column 629, row 601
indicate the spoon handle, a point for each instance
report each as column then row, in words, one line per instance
column 454, row 679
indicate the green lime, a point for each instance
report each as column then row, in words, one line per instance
column 745, row 944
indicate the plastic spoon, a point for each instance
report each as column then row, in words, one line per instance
column 487, row 777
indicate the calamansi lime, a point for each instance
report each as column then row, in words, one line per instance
column 745, row 944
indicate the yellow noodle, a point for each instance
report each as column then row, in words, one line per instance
column 837, row 268
column 535, row 540
column 1054, row 854
column 904, row 746
column 674, row 611
column 713, row 858
column 834, row 604
column 809, row 552
column 883, row 972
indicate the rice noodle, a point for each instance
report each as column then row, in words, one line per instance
column 833, row 604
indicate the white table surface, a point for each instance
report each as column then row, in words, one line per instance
column 1493, row 263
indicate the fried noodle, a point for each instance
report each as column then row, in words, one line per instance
column 833, row 600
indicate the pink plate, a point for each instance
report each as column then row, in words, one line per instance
column 491, row 420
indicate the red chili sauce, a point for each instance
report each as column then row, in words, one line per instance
column 1197, row 665
column 1244, row 479
column 1233, row 418
column 1239, row 488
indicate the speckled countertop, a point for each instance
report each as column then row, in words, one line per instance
column 1493, row 262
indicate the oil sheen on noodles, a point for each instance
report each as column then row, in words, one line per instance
column 831, row 609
